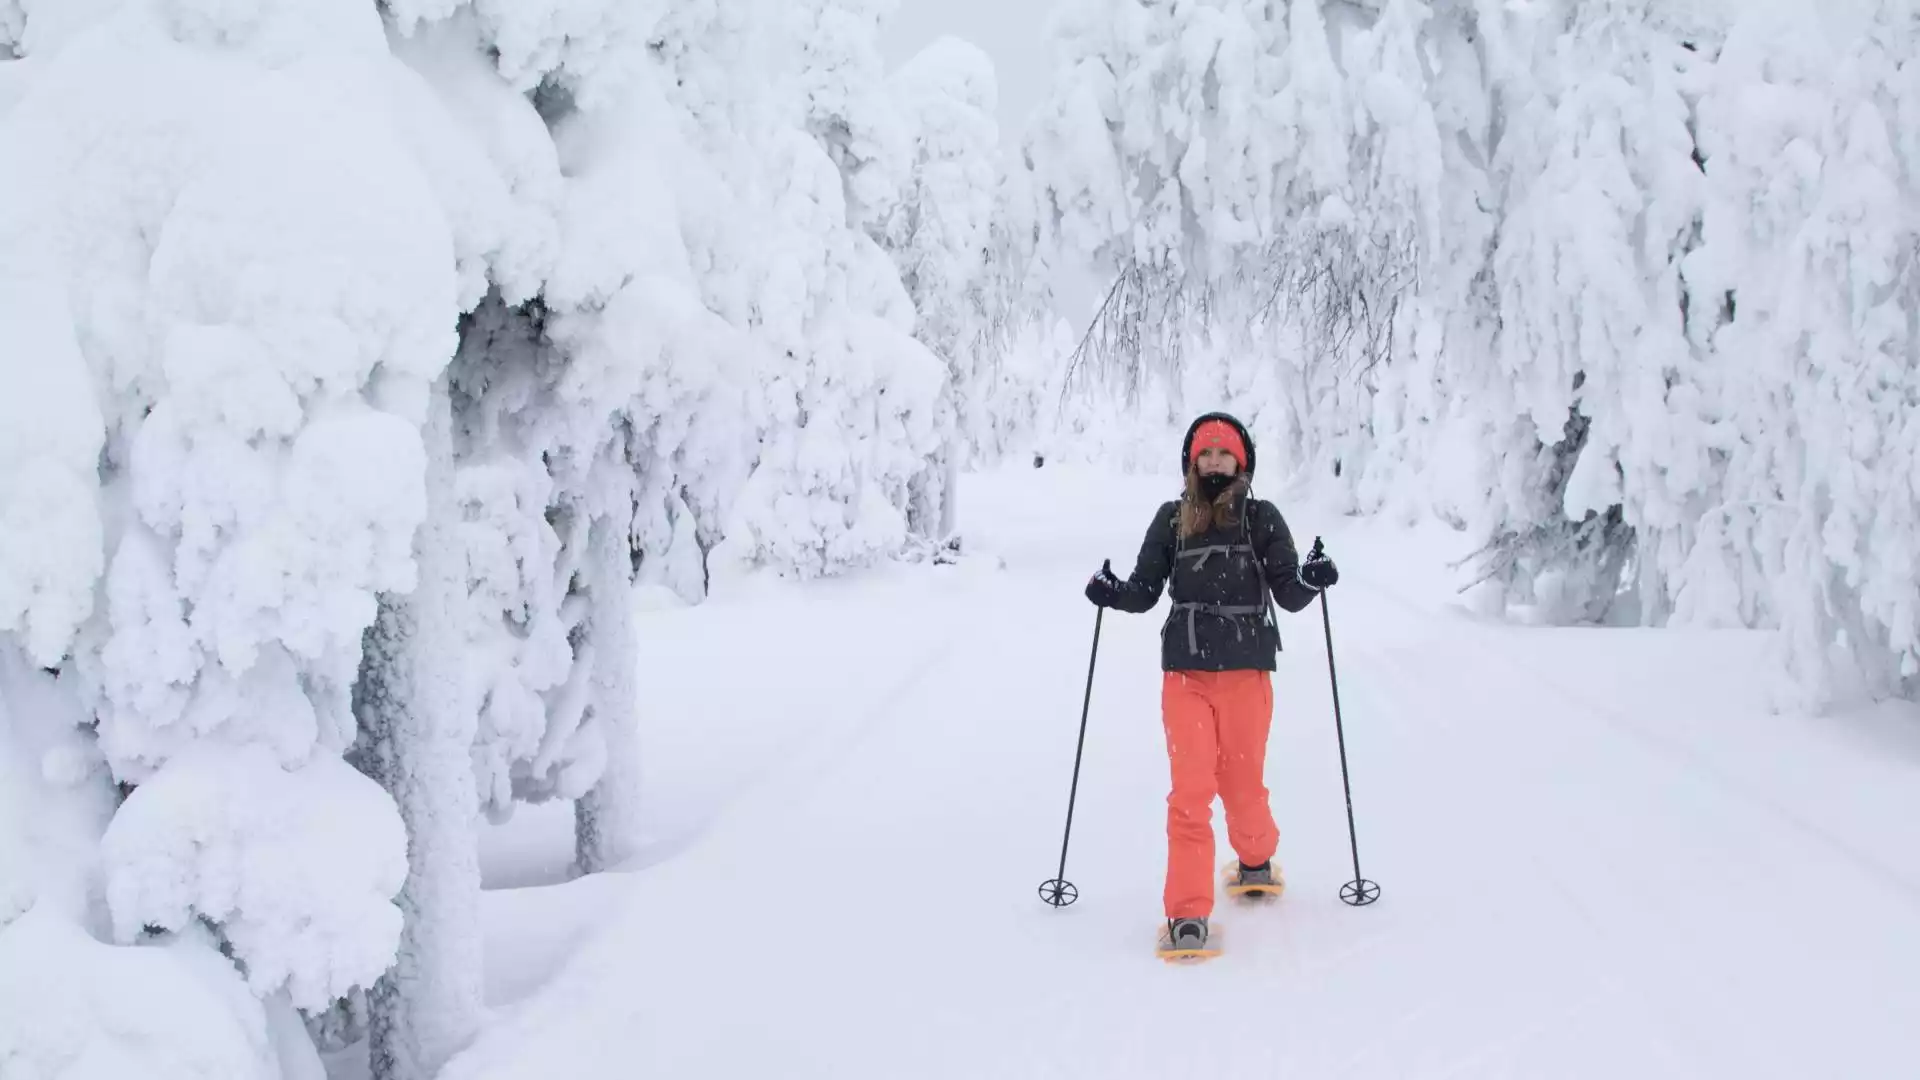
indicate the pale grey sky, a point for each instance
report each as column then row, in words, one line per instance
column 1009, row 31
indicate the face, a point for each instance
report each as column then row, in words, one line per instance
column 1216, row 461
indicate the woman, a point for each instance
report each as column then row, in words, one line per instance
column 1224, row 554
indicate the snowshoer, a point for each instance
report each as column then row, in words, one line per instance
column 1223, row 557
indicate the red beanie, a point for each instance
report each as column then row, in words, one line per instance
column 1218, row 433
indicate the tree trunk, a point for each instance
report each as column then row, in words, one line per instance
column 950, row 491
column 607, row 819
column 419, row 729
column 924, row 499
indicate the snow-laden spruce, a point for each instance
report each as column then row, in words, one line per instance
column 937, row 235
column 1585, row 394
column 1807, row 274
column 810, row 158
column 235, row 276
column 246, row 267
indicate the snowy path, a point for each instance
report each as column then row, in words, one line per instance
column 1597, row 861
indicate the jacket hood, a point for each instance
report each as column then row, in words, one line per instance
column 1246, row 437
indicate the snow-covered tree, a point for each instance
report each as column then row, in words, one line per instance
column 256, row 288
column 245, row 266
column 1808, row 273
column 607, row 401
column 636, row 399
column 417, row 721
column 1591, row 384
column 842, row 85
column 939, row 236
column 806, row 162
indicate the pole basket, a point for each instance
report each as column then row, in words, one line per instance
column 1060, row 892
column 1359, row 892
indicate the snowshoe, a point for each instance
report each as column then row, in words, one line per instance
column 1188, row 940
column 1258, row 883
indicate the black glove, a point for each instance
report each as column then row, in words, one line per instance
column 1318, row 572
column 1103, row 588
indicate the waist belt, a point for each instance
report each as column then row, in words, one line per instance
column 1223, row 610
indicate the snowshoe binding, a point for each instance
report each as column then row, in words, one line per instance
column 1257, row 883
column 1188, row 940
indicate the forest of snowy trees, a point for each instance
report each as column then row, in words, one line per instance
column 1625, row 288
column 359, row 361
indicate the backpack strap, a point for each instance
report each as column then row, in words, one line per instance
column 1226, row 611
column 1266, row 590
column 1210, row 550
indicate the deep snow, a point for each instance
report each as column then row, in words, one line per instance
column 1601, row 855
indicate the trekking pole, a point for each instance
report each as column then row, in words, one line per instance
column 1359, row 891
column 1058, row 891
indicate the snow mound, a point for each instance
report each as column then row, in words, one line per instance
column 305, row 897
column 54, row 798
column 72, row 1008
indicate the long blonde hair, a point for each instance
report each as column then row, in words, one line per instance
column 1198, row 514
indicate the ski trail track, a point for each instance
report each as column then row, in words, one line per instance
column 1566, row 892
column 1696, row 886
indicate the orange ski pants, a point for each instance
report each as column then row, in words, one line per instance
column 1217, row 724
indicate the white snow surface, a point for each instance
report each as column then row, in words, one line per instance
column 54, row 799
column 72, row 1008
column 1601, row 854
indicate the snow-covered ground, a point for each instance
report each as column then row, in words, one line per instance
column 1602, row 856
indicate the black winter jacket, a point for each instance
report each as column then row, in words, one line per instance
column 1219, row 583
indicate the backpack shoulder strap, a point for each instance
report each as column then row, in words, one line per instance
column 1258, row 533
column 1258, row 529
